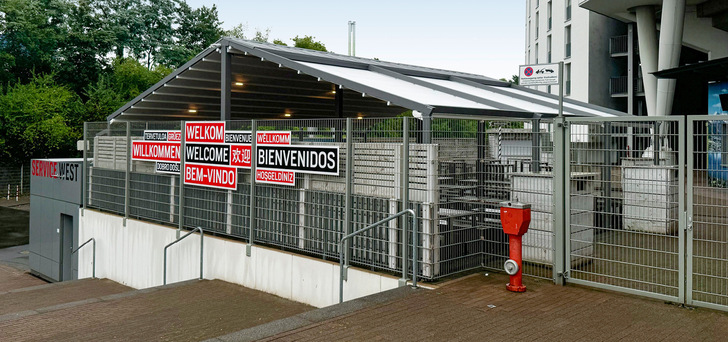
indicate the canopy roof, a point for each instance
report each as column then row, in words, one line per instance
column 271, row 81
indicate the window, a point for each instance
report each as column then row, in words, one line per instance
column 568, row 10
column 528, row 57
column 548, row 12
column 528, row 33
column 536, row 35
column 548, row 49
column 567, row 42
column 535, row 53
column 567, row 77
column 536, row 3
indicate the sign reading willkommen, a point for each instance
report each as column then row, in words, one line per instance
column 538, row 74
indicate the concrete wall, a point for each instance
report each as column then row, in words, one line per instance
column 133, row 255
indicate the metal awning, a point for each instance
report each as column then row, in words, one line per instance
column 255, row 80
column 713, row 70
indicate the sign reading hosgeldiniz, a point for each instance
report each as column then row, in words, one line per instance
column 213, row 155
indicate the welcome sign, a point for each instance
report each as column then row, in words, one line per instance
column 213, row 155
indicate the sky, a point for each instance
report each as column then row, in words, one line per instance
column 485, row 37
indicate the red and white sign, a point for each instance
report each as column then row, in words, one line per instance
column 155, row 151
column 240, row 156
column 213, row 176
column 275, row 177
column 205, row 132
column 274, row 138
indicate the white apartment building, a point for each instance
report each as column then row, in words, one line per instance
column 559, row 30
column 600, row 43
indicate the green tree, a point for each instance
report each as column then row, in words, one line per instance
column 308, row 42
column 513, row 80
column 89, row 40
column 196, row 30
column 31, row 33
column 34, row 120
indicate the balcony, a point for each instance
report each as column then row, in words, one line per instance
column 618, row 86
column 618, row 46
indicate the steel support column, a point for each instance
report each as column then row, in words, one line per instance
column 225, row 83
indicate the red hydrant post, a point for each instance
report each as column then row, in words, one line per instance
column 515, row 218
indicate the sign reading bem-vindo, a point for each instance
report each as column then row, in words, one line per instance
column 213, row 155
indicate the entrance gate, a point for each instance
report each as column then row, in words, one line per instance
column 644, row 222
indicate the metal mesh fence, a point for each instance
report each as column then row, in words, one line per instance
column 14, row 180
column 624, row 198
column 455, row 178
column 708, row 214
column 623, row 201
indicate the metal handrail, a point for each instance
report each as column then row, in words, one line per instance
column 404, row 270
column 93, row 269
column 202, row 235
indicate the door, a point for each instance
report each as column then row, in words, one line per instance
column 66, row 247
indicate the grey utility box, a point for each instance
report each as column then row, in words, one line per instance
column 55, row 199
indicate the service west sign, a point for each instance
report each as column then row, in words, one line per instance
column 538, row 74
column 213, row 155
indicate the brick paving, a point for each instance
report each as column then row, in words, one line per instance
column 478, row 308
column 190, row 311
column 42, row 296
column 12, row 278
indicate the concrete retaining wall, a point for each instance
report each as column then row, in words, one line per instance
column 133, row 255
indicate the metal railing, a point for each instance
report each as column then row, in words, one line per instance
column 93, row 262
column 202, row 235
column 618, row 45
column 618, row 85
column 343, row 259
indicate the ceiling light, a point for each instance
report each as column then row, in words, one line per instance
column 192, row 110
column 360, row 117
column 239, row 84
column 288, row 115
column 333, row 91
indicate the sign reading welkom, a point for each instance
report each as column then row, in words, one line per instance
column 213, row 155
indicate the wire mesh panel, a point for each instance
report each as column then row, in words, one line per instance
column 623, row 204
column 708, row 203
column 107, row 155
column 480, row 164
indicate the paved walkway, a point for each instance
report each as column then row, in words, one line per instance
column 12, row 278
column 478, row 308
column 188, row 311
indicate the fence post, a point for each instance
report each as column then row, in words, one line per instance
column 253, row 162
column 181, row 179
column 349, row 181
column 85, row 185
column 536, row 142
column 21, row 178
column 559, row 209
column 128, row 172
column 405, row 199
